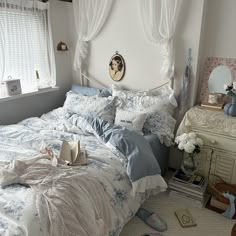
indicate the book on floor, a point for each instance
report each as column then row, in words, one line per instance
column 185, row 218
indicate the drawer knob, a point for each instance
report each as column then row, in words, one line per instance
column 213, row 141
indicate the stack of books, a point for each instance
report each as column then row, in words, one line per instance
column 211, row 106
column 189, row 188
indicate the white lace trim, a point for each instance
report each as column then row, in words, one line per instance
column 148, row 182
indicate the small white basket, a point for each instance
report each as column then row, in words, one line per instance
column 12, row 87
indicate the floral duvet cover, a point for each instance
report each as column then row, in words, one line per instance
column 23, row 141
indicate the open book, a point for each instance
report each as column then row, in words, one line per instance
column 72, row 154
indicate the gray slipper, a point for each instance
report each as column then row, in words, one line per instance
column 152, row 220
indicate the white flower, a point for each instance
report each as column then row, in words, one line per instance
column 189, row 142
column 189, row 147
column 234, row 85
column 226, row 86
column 199, row 142
column 192, row 135
column 182, row 138
column 181, row 146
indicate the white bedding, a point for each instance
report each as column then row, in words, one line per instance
column 18, row 213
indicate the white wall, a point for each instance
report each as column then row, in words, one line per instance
column 15, row 110
column 123, row 32
column 218, row 36
column 219, row 33
column 221, row 30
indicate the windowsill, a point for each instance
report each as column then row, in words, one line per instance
column 8, row 98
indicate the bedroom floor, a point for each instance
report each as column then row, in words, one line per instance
column 208, row 222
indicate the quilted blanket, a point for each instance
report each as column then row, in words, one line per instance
column 22, row 207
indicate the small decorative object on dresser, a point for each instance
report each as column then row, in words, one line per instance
column 230, row 108
column 211, row 106
column 218, row 132
column 215, row 98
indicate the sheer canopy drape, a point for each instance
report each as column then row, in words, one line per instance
column 158, row 18
column 26, row 43
column 90, row 16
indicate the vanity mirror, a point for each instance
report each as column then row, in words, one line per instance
column 217, row 72
column 219, row 76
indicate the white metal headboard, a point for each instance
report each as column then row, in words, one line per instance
column 101, row 85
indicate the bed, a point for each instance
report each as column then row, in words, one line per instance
column 38, row 197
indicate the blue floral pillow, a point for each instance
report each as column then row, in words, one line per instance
column 159, row 104
column 90, row 106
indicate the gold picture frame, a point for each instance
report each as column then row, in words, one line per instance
column 117, row 67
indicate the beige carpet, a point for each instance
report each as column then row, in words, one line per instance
column 208, row 222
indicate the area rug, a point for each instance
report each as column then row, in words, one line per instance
column 209, row 223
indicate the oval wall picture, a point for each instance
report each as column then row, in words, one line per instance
column 117, row 67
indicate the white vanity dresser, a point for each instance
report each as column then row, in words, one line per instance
column 218, row 131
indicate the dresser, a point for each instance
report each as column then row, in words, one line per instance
column 218, row 132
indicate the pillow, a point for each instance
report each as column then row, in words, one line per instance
column 90, row 106
column 142, row 100
column 156, row 103
column 86, row 91
column 162, row 124
column 106, row 92
column 130, row 120
column 117, row 92
column 159, row 104
column 165, row 92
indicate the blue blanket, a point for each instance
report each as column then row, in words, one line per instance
column 129, row 145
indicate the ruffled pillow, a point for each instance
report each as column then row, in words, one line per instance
column 118, row 92
column 159, row 104
column 90, row 106
column 161, row 124
column 165, row 93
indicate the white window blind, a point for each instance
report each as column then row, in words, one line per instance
column 26, row 43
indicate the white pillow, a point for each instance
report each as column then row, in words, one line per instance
column 118, row 92
column 90, row 106
column 164, row 92
column 158, row 99
column 130, row 120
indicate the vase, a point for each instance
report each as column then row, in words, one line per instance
column 230, row 108
column 189, row 164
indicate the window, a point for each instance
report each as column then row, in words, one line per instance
column 26, row 43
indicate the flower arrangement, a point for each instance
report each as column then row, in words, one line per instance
column 189, row 142
column 230, row 88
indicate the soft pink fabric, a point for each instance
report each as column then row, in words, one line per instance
column 69, row 201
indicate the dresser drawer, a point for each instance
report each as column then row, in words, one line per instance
column 217, row 141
